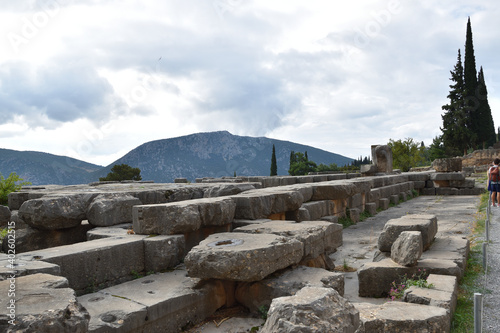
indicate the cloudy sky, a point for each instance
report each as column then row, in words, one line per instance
column 94, row 79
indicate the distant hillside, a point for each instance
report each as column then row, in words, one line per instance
column 43, row 168
column 216, row 154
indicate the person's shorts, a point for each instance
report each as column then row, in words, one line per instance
column 494, row 187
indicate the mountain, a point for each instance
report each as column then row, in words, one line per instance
column 213, row 154
column 216, row 154
column 43, row 168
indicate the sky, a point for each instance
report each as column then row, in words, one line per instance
column 93, row 79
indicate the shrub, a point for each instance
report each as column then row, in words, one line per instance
column 419, row 280
column 10, row 184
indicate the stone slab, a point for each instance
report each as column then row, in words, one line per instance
column 402, row 317
column 386, row 271
column 24, row 267
column 426, row 224
column 165, row 302
column 254, row 295
column 182, row 217
column 259, row 204
column 111, row 209
column 120, row 230
column 163, row 252
column 94, row 264
column 43, row 303
column 408, row 248
column 317, row 237
column 443, row 293
column 241, row 256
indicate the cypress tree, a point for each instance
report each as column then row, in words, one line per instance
column 486, row 134
column 292, row 158
column 470, row 83
column 457, row 134
column 307, row 158
column 274, row 165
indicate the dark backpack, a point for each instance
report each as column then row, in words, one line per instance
column 494, row 174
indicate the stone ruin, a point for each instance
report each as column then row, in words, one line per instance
column 143, row 257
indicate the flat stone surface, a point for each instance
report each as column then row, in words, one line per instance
column 242, row 256
column 155, row 303
column 426, row 224
column 88, row 265
column 259, row 204
column 120, row 230
column 163, row 252
column 25, row 267
column 318, row 237
column 443, row 293
column 407, row 248
column 43, row 303
column 182, row 217
column 402, row 317
column 111, row 209
column 287, row 283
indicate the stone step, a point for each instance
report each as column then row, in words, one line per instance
column 442, row 294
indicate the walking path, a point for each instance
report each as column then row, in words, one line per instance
column 491, row 301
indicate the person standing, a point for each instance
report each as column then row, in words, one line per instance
column 494, row 183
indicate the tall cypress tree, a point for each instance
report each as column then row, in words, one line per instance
column 457, row 134
column 470, row 83
column 274, row 165
column 486, row 134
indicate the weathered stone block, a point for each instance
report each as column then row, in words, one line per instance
column 180, row 180
column 355, row 214
column 428, row 191
column 111, row 209
column 240, row 256
column 318, row 237
column 356, row 201
column 4, row 216
column 101, row 262
column 382, row 158
column 426, row 224
column 261, row 293
column 394, row 199
column 402, row 317
column 261, row 204
column 44, row 304
column 322, row 309
column 442, row 294
column 447, row 164
column 467, row 183
column 447, row 176
column 318, row 209
column 154, row 303
column 163, row 252
column 407, row 248
column 333, row 190
column 384, row 203
column 447, row 191
column 55, row 212
column 182, row 217
column 24, row 267
column 419, row 184
column 371, row 208
column 119, row 230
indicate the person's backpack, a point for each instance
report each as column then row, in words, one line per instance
column 494, row 174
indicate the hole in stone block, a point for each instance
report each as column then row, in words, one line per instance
column 151, row 292
column 226, row 242
column 108, row 318
column 37, row 257
column 148, row 281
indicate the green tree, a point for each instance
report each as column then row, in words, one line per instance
column 470, row 85
column 10, row 184
column 436, row 149
column 405, row 154
column 457, row 133
column 487, row 135
column 299, row 165
column 330, row 167
column 274, row 165
column 122, row 172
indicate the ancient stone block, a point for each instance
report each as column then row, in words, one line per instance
column 402, row 317
column 426, row 224
column 354, row 214
column 254, row 295
column 394, row 199
column 456, row 176
column 382, row 158
column 24, row 267
column 182, row 217
column 153, row 303
column 263, row 203
column 89, row 265
column 371, row 208
column 428, row 191
column 240, row 256
column 419, row 184
column 384, row 203
column 320, row 308
column 44, row 304
column 317, row 237
column 443, row 293
column 407, row 248
column 467, row 183
column 318, row 209
column 55, row 212
column 111, row 209
column 447, row 164
column 333, row 190
column 180, row 180
column 4, row 216
column 163, row 252
column 119, row 230
column 447, row 191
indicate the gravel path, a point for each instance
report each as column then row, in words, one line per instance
column 491, row 301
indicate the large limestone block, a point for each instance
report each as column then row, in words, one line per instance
column 407, row 248
column 228, row 189
column 120, row 230
column 382, row 158
column 260, row 204
column 24, row 267
column 312, row 309
column 163, row 252
column 402, row 317
column 98, row 263
column 375, row 278
column 182, row 217
column 334, row 190
column 317, row 237
column 443, row 293
column 447, row 164
column 254, row 295
column 164, row 302
column 55, row 212
column 240, row 256
column 426, row 224
column 318, row 209
column 4, row 216
column 111, row 209
column 43, row 303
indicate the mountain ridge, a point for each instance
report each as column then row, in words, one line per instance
column 206, row 154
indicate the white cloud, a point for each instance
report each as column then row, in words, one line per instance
column 340, row 77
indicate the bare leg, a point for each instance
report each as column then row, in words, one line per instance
column 498, row 198
column 493, row 198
